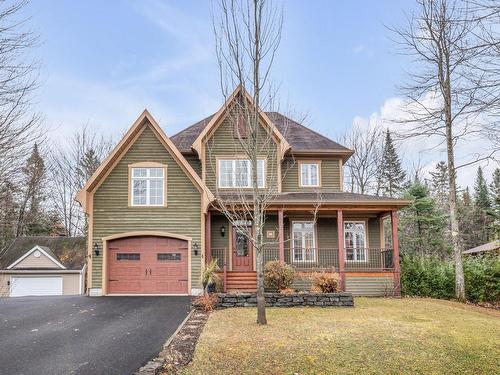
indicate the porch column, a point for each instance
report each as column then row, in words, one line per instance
column 208, row 237
column 340, row 237
column 281, row 237
column 395, row 253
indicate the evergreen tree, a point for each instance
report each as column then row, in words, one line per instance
column 423, row 223
column 466, row 214
column 31, row 215
column 495, row 201
column 439, row 185
column 391, row 176
column 481, row 194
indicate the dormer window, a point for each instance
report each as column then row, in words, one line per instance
column 147, row 185
column 309, row 174
column 237, row 173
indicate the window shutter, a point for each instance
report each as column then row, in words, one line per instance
column 240, row 126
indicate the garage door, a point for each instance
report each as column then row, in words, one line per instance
column 148, row 265
column 36, row 286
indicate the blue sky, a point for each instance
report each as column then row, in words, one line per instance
column 103, row 62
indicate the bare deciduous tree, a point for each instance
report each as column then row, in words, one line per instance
column 363, row 166
column 19, row 126
column 70, row 167
column 247, row 37
column 447, row 90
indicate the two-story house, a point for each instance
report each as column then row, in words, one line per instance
column 153, row 218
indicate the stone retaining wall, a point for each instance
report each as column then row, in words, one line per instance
column 285, row 300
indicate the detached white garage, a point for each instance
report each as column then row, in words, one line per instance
column 36, row 286
column 39, row 271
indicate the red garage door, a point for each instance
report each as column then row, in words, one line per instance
column 147, row 265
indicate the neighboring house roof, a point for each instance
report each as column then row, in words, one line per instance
column 300, row 138
column 145, row 119
column 326, row 198
column 69, row 251
column 490, row 246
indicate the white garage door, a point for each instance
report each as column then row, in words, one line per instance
column 36, row 286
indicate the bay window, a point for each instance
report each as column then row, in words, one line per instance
column 355, row 241
column 237, row 173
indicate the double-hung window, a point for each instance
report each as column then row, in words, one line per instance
column 309, row 174
column 147, row 186
column 304, row 241
column 355, row 241
column 237, row 173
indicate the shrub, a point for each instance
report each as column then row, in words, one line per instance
column 206, row 302
column 278, row 276
column 425, row 276
column 325, row 282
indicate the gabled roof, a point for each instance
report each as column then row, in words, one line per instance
column 145, row 119
column 70, row 252
column 215, row 121
column 300, row 138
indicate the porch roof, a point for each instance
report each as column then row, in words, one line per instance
column 324, row 198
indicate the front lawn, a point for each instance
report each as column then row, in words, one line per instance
column 377, row 336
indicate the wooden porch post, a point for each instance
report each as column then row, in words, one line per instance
column 208, row 237
column 281, row 237
column 340, row 236
column 395, row 253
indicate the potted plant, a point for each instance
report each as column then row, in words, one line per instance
column 209, row 276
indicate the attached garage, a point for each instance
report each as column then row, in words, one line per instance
column 147, row 265
column 36, row 286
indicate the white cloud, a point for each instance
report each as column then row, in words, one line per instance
column 424, row 152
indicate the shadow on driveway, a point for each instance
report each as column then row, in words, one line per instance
column 83, row 335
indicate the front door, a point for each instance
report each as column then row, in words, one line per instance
column 242, row 252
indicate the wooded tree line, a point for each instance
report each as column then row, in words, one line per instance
column 38, row 177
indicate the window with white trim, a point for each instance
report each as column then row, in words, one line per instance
column 355, row 241
column 309, row 174
column 148, row 186
column 304, row 241
column 237, row 173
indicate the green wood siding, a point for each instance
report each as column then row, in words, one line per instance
column 222, row 144
column 112, row 215
column 373, row 286
column 194, row 162
column 330, row 175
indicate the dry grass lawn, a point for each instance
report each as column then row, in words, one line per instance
column 378, row 336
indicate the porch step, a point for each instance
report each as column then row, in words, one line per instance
column 241, row 281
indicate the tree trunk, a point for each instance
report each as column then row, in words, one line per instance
column 261, row 300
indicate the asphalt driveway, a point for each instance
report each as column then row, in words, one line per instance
column 83, row 335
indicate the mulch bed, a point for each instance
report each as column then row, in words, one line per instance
column 179, row 353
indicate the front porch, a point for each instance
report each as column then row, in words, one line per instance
column 351, row 242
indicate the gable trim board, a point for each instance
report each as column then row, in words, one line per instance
column 36, row 248
column 144, row 120
column 216, row 120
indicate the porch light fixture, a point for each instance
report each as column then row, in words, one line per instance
column 96, row 248
column 195, row 248
column 222, row 231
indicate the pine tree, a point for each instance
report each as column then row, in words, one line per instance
column 423, row 223
column 439, row 185
column 495, row 200
column 391, row 176
column 31, row 215
column 483, row 215
column 481, row 194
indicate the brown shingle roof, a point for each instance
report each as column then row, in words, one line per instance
column 300, row 138
column 70, row 251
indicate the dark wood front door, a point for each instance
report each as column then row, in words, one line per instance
column 242, row 252
column 147, row 265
